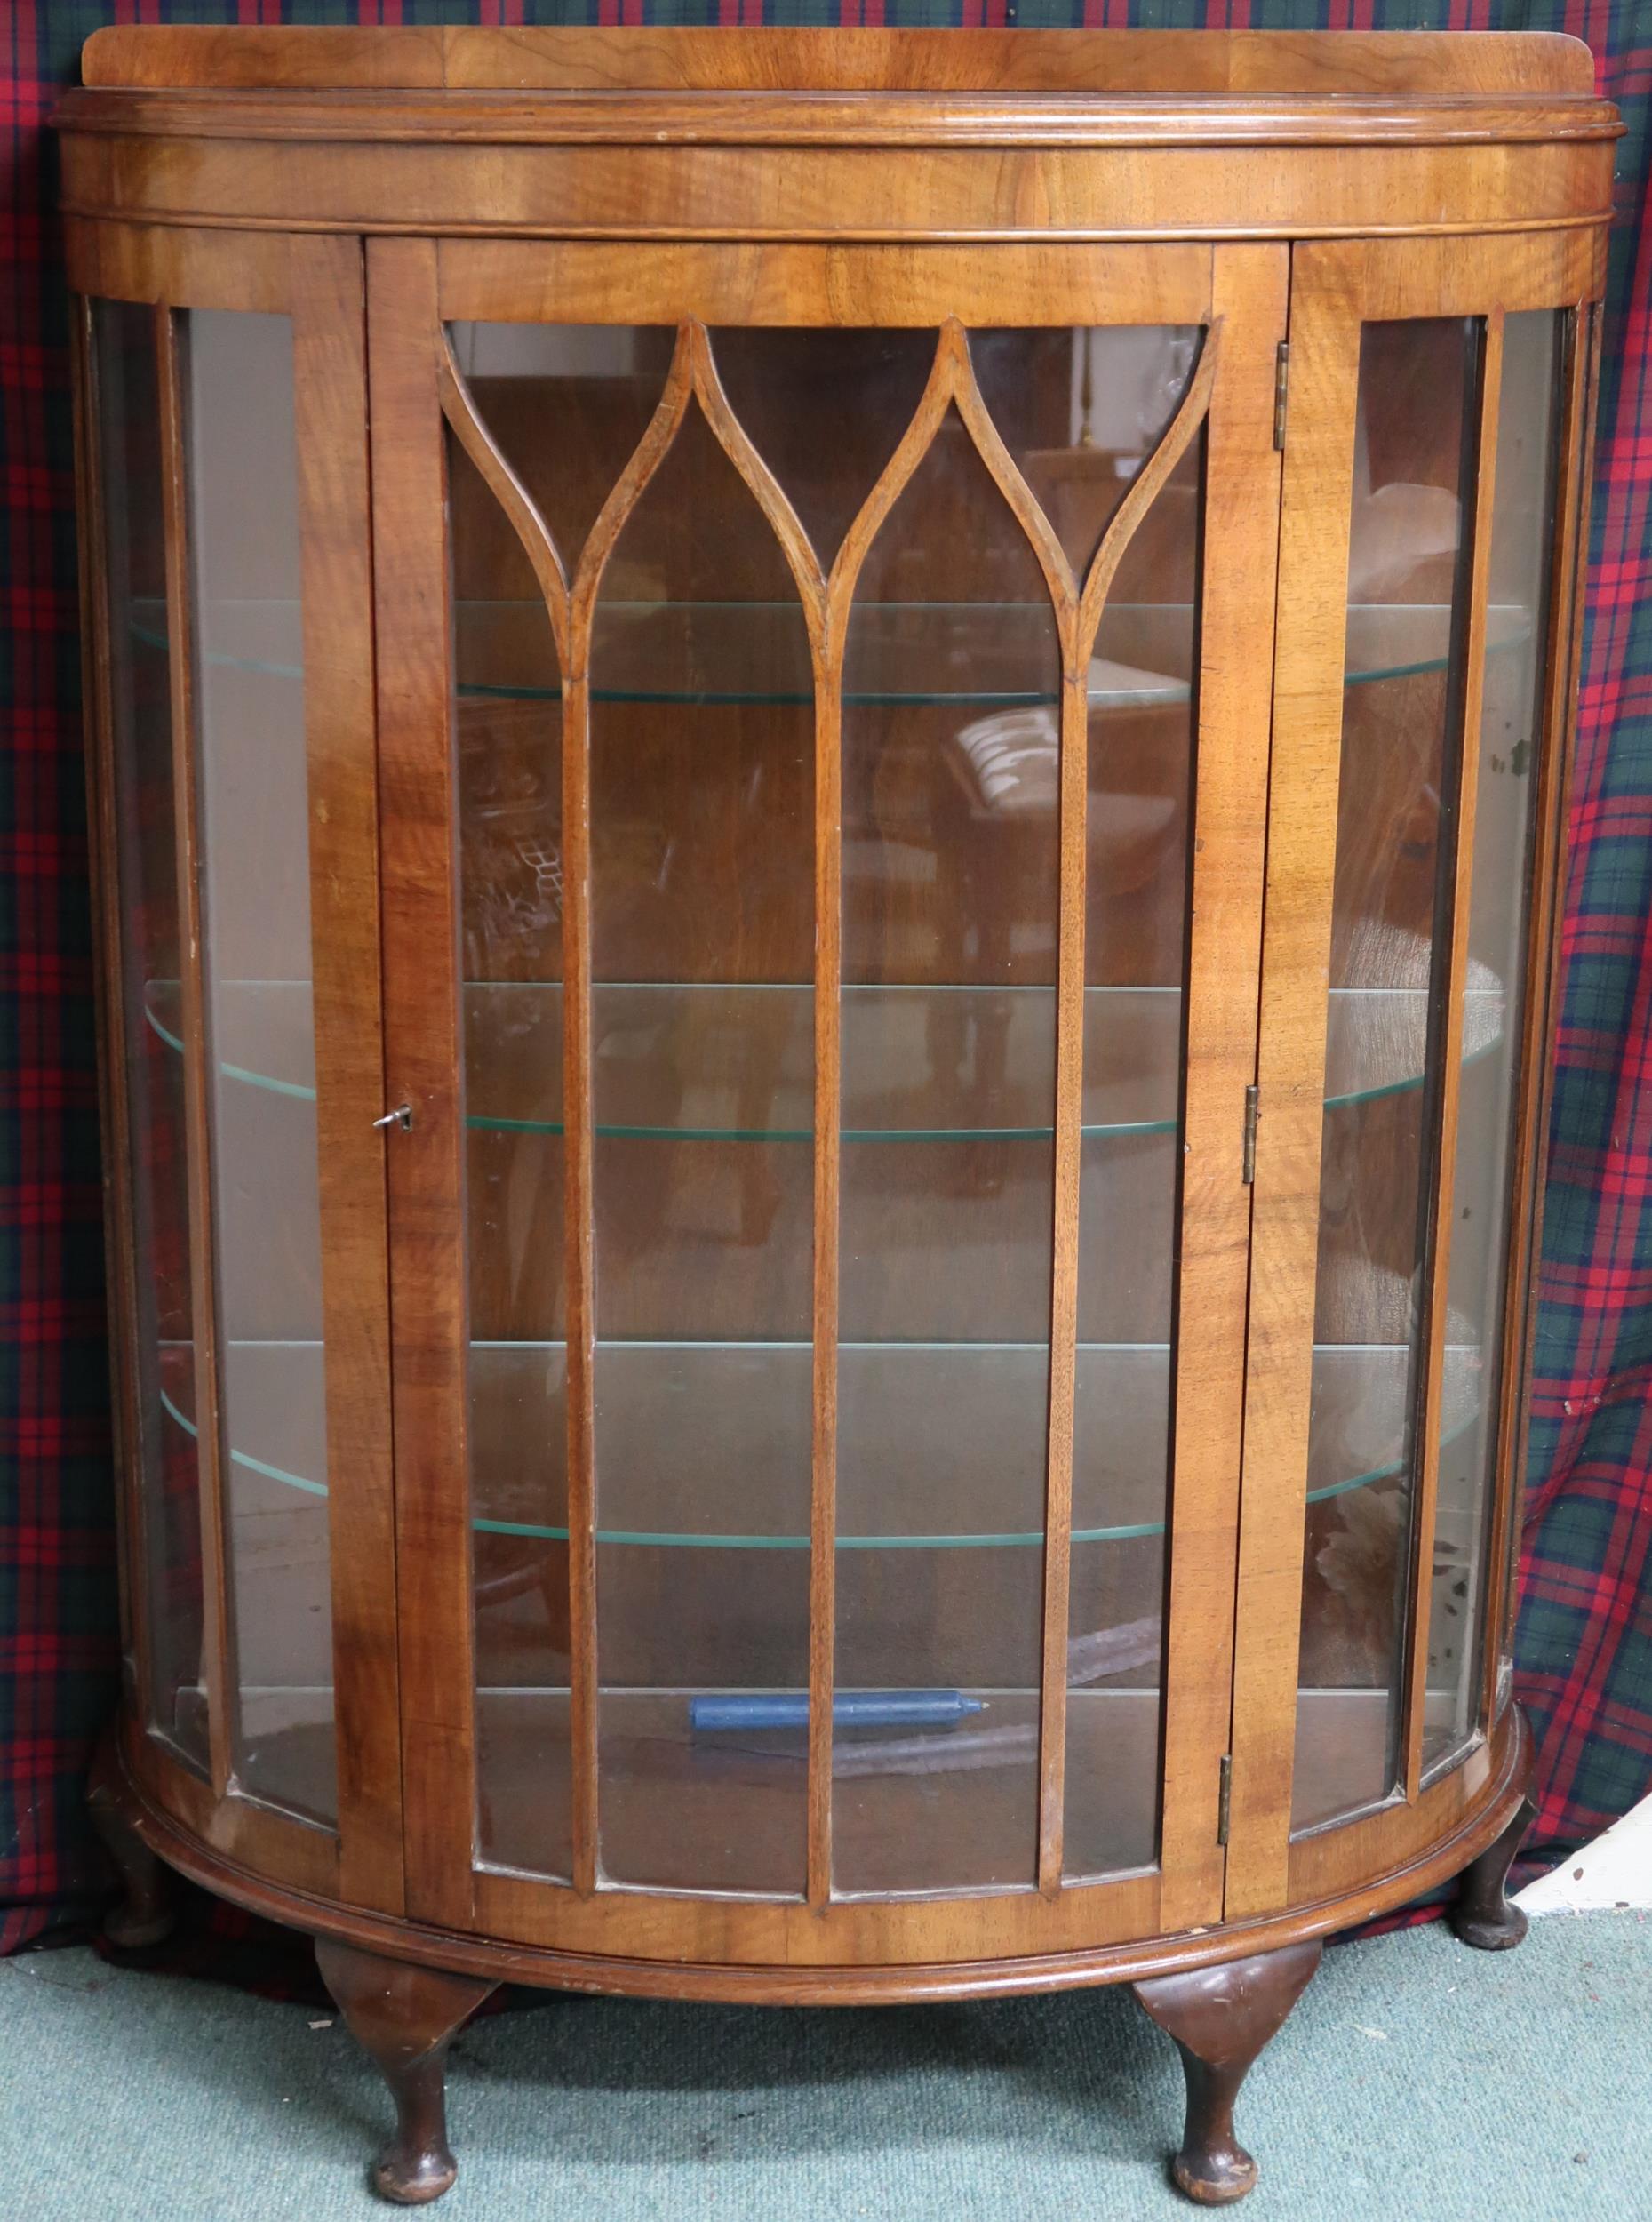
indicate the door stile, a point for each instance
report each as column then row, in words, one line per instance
column 1446, row 1059
column 1326, row 304
column 425, row 1043
column 1239, row 565
column 330, row 383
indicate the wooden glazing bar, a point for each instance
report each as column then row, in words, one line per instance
column 216, row 1639
column 425, row 1164
column 580, row 1252
column 1451, row 929
column 1567, row 585
column 97, row 723
column 828, row 661
column 1305, row 775
column 1073, row 854
column 1226, row 842
column 329, row 386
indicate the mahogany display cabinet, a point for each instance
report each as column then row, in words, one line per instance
column 828, row 789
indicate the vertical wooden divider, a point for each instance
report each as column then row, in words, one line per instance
column 1328, row 290
column 425, row 1039
column 195, row 1027
column 1451, row 930
column 1073, row 853
column 580, row 1245
column 329, row 384
column 1228, row 837
column 827, row 658
column 1564, row 622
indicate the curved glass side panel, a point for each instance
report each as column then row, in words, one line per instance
column 1522, row 531
column 254, row 846
column 145, row 803
column 1407, row 590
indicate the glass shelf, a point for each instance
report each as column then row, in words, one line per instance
column 672, row 652
column 734, row 1063
column 940, row 1404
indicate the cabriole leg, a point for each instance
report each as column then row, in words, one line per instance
column 146, row 1913
column 1483, row 1915
column 406, row 2017
column 1221, row 2018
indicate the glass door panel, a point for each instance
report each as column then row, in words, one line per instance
column 1425, row 1023
column 509, row 733
column 1141, row 733
column 1414, row 466
column 254, row 835
column 564, row 408
column 146, row 807
column 703, row 730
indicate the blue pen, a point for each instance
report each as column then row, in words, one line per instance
column 853, row 1708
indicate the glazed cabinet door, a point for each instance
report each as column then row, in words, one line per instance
column 228, row 573
column 1424, row 678
column 825, row 705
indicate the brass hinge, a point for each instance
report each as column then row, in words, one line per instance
column 1281, row 390
column 1224, row 1797
column 1250, row 1168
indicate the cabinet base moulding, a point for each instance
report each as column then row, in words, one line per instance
column 404, row 1988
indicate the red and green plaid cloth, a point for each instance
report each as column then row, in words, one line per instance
column 1584, row 1648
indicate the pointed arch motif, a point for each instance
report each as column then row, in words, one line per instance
column 458, row 406
column 1146, row 487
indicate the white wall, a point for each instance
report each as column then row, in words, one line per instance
column 1615, row 1870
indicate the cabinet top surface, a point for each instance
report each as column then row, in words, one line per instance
column 1252, row 83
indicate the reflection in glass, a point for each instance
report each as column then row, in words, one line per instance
column 266, row 1195
column 146, row 832
column 1510, row 733
column 1406, row 588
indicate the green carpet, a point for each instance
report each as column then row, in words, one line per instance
column 1417, row 2081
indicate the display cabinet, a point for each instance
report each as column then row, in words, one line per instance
column 827, row 794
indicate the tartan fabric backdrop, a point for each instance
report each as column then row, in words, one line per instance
column 1585, row 1646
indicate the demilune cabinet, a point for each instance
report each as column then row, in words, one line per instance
column 827, row 792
